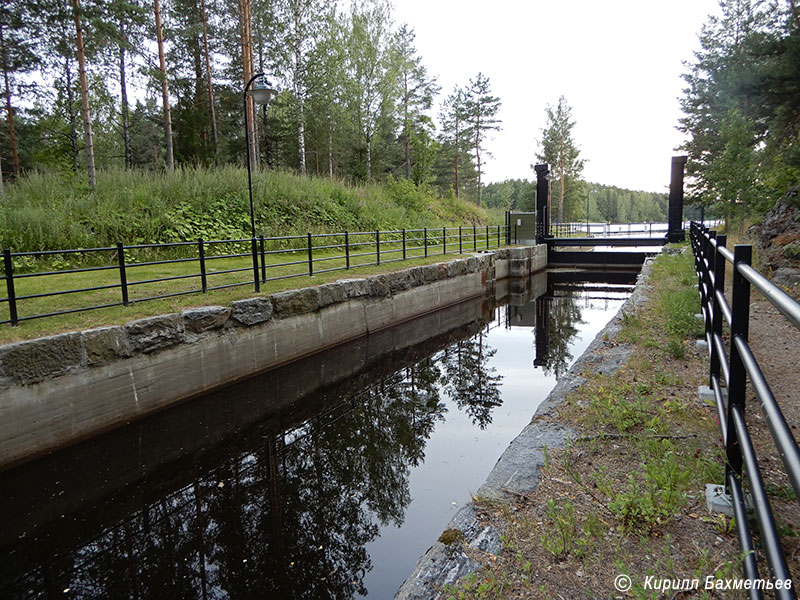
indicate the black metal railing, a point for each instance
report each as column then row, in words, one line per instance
column 113, row 276
column 730, row 371
column 582, row 229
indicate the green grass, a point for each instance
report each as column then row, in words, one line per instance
column 56, row 212
column 52, row 211
column 620, row 496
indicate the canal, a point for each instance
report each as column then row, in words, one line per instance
column 326, row 478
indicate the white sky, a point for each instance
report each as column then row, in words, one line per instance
column 617, row 62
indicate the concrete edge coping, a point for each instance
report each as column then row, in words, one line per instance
column 32, row 361
column 518, row 470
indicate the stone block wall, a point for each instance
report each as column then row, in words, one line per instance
column 60, row 389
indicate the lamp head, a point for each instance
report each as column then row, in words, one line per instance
column 261, row 92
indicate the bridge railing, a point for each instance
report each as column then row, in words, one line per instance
column 730, row 371
column 59, row 282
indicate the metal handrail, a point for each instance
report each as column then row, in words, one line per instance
column 371, row 247
column 733, row 369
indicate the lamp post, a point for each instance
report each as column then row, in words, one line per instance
column 261, row 94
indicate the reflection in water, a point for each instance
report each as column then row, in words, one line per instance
column 283, row 504
column 556, row 314
column 289, row 517
column 470, row 382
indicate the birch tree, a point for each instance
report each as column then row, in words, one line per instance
column 304, row 23
column 370, row 81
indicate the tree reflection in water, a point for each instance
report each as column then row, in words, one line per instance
column 563, row 318
column 291, row 516
column 470, row 381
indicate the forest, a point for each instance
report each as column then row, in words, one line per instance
column 157, row 84
column 108, row 101
column 606, row 204
column 742, row 108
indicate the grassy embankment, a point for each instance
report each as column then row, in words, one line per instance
column 48, row 212
column 626, row 497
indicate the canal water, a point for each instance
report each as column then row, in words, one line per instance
column 326, row 478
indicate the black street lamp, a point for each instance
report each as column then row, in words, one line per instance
column 261, row 94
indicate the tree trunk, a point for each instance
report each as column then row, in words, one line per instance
column 407, row 126
column 164, row 87
column 125, row 108
column 369, row 157
column 195, row 44
column 247, row 72
column 458, row 186
column 795, row 14
column 12, row 135
column 73, row 133
column 301, row 136
column 211, row 108
column 561, row 198
column 299, row 90
column 330, row 150
column 478, row 155
column 87, row 120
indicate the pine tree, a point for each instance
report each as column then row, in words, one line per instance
column 742, row 102
column 417, row 91
column 164, row 86
column 558, row 149
column 481, row 116
column 455, row 135
column 85, row 111
column 17, row 32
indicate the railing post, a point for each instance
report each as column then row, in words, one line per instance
column 716, row 321
column 263, row 260
column 12, row 297
column 404, row 244
column 444, row 240
column 460, row 245
column 378, row 246
column 498, row 236
column 202, row 253
column 254, row 251
column 310, row 257
column 474, row 238
column 426, row 242
column 347, row 250
column 740, row 327
column 710, row 256
column 704, row 279
column 123, row 277
column 487, row 237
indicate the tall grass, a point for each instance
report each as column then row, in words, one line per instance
column 47, row 211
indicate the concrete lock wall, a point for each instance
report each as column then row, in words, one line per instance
column 57, row 390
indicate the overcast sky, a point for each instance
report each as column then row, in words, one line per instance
column 617, row 62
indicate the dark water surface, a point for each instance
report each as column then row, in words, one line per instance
column 326, row 478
